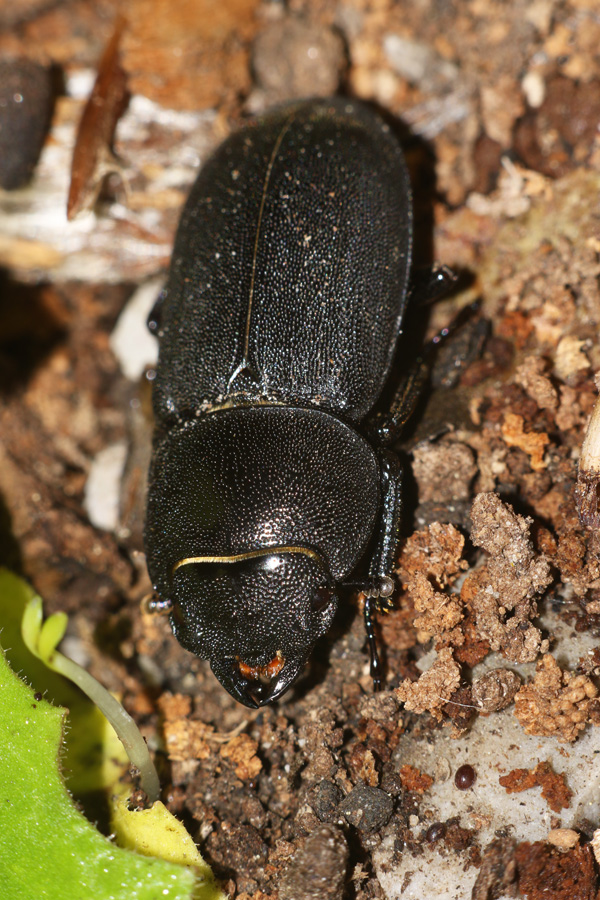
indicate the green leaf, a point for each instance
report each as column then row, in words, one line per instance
column 92, row 756
column 47, row 847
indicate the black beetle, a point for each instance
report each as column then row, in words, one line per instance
column 269, row 486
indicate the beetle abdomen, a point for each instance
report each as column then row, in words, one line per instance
column 250, row 478
column 289, row 274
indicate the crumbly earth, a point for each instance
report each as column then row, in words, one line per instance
column 499, row 104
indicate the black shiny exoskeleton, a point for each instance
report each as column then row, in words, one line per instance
column 269, row 486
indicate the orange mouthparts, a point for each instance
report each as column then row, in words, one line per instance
column 262, row 673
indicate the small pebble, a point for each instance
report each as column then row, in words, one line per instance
column 295, row 58
column 318, row 870
column 391, row 783
column 325, row 799
column 495, row 690
column 367, row 808
column 131, row 341
column 25, row 111
column 419, row 63
column 103, row 486
column 563, row 838
column 534, row 89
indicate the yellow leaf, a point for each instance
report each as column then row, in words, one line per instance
column 156, row 832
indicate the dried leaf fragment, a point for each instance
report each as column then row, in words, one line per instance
column 92, row 156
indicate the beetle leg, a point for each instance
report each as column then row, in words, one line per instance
column 375, row 662
column 429, row 283
column 384, row 557
column 387, row 427
column 154, row 319
column 380, row 584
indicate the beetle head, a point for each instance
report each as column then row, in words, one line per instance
column 255, row 616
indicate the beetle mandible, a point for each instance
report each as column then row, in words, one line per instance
column 271, row 483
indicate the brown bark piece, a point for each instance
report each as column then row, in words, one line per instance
column 544, row 872
column 554, row 787
column 498, row 872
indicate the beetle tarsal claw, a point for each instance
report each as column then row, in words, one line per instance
column 385, row 604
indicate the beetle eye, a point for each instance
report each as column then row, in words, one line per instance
column 321, row 598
